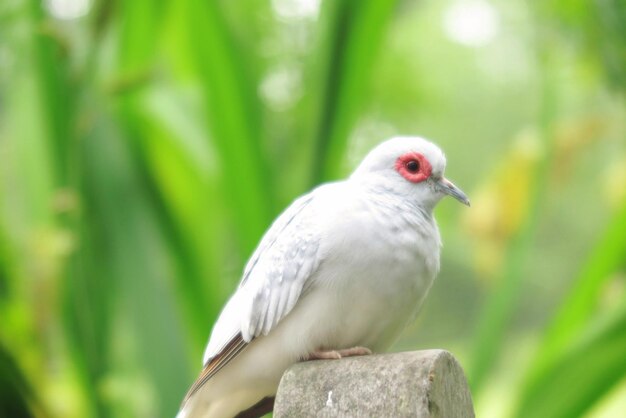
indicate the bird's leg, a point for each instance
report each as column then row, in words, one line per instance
column 355, row 351
column 337, row 354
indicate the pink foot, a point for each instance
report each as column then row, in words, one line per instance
column 337, row 354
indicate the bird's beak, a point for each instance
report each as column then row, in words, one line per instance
column 449, row 188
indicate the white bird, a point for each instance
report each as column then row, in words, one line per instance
column 340, row 272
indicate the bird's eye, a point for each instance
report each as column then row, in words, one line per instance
column 412, row 166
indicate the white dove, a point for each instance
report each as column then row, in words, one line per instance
column 339, row 273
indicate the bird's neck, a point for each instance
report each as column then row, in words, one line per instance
column 405, row 226
column 390, row 206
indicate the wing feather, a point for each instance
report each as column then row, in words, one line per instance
column 279, row 275
column 229, row 323
column 272, row 282
column 232, row 349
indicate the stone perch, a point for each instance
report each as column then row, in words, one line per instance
column 418, row 384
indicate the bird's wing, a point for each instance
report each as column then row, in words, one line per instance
column 280, row 268
column 215, row 364
column 286, row 220
column 272, row 282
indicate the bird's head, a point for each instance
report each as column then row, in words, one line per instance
column 410, row 166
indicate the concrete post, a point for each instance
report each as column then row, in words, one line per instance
column 420, row 384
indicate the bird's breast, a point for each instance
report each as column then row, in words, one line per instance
column 375, row 278
column 389, row 240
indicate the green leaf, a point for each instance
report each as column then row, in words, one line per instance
column 351, row 34
column 579, row 307
column 233, row 108
column 56, row 91
column 582, row 374
column 130, row 269
column 502, row 303
column 607, row 256
column 177, row 164
column 16, row 396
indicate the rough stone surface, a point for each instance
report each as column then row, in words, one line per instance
column 419, row 384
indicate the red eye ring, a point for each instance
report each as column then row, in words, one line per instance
column 413, row 166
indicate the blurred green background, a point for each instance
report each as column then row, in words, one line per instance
column 146, row 145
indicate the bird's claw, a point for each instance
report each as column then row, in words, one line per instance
column 338, row 354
